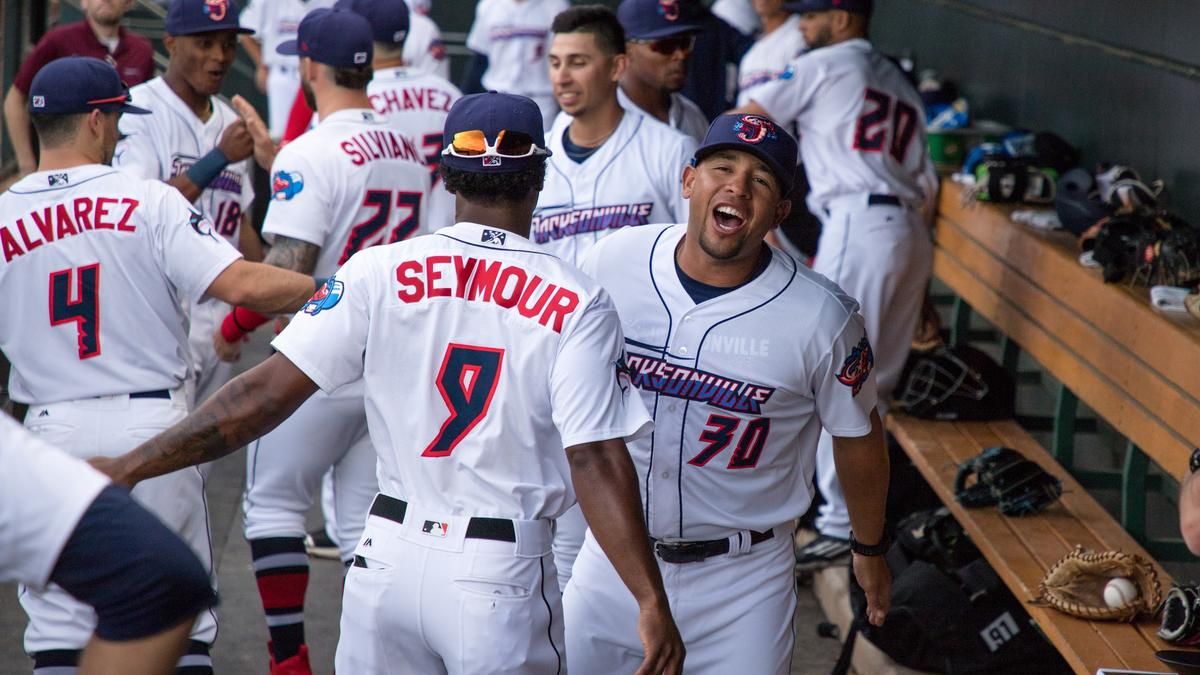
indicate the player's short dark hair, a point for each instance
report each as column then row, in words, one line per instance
column 355, row 77
column 55, row 130
column 491, row 189
column 598, row 20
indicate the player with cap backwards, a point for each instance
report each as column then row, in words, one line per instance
column 510, row 39
column 350, row 183
column 415, row 103
column 198, row 144
column 94, row 264
column 66, row 524
column 744, row 356
column 871, row 178
column 659, row 38
column 483, row 357
column 610, row 169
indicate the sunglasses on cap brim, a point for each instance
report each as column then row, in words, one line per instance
column 511, row 144
column 669, row 45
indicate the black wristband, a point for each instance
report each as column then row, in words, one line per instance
column 877, row 550
column 1194, row 462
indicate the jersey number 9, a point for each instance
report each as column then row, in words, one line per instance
column 467, row 381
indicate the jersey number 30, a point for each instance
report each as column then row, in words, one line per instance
column 886, row 123
column 74, row 298
column 467, row 381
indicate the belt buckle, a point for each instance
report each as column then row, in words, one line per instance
column 681, row 552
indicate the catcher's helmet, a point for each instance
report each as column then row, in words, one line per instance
column 955, row 383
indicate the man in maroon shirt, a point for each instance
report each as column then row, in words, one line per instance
column 101, row 35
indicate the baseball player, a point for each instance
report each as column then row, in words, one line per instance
column 415, row 103
column 659, row 37
column 610, row 169
column 744, row 355
column 424, row 51
column 103, row 362
column 65, row 524
column 870, row 174
column 778, row 45
column 350, row 183
column 501, row 355
column 199, row 145
column 512, row 38
column 274, row 22
column 738, row 13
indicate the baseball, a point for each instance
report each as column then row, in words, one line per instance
column 1119, row 592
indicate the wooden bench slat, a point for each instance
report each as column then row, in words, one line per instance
column 1126, row 415
column 1127, row 374
column 1022, row 549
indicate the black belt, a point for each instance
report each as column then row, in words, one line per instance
column 696, row 551
column 884, row 200
column 157, row 393
column 496, row 529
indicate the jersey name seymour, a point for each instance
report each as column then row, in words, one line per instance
column 61, row 220
column 579, row 221
column 372, row 145
column 423, row 98
column 482, row 280
column 650, row 373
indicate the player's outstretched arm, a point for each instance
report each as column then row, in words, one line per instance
column 607, row 488
column 862, row 469
column 243, row 410
column 262, row 288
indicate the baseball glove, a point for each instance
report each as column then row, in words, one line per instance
column 1004, row 477
column 1174, row 259
column 1075, row 585
column 1181, row 616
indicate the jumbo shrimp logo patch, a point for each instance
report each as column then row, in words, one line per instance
column 857, row 367
column 754, row 129
column 216, row 9
column 285, row 185
column 325, row 298
column 669, row 9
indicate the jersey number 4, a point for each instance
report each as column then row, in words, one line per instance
column 467, row 381
column 886, row 123
column 374, row 230
column 74, row 298
column 718, row 433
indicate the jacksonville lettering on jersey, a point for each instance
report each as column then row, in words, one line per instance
column 515, row 36
column 736, row 428
column 501, row 355
column 633, row 179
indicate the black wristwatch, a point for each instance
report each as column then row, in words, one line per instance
column 878, row 549
column 1194, row 462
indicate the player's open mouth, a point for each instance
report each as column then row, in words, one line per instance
column 728, row 219
column 566, row 98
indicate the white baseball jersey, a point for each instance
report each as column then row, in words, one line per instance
column 43, row 494
column 683, row 115
column 483, row 357
column 739, row 14
column 424, row 51
column 350, row 183
column 275, row 22
column 767, row 60
column 416, row 105
column 740, row 385
column 632, row 179
column 515, row 36
column 862, row 123
column 115, row 255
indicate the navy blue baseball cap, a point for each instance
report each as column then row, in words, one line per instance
column 522, row 146
column 79, row 84
column 335, row 37
column 654, row 19
column 388, row 18
column 758, row 135
column 802, row 6
column 189, row 17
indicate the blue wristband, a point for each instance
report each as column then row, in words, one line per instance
column 207, row 168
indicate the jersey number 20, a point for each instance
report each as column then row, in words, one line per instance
column 886, row 123
column 74, row 298
column 467, row 381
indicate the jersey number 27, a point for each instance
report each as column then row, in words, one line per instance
column 886, row 123
column 374, row 230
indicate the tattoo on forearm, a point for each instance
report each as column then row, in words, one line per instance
column 293, row 254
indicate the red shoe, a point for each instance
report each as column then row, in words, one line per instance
column 296, row 664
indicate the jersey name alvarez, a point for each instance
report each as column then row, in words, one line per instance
column 59, row 221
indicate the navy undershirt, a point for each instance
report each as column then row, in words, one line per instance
column 702, row 292
column 577, row 153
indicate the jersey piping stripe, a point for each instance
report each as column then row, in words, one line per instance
column 60, row 187
column 550, row 612
column 493, row 248
column 643, row 345
column 699, row 350
column 663, row 351
column 212, row 612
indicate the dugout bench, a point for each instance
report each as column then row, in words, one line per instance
column 1136, row 368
